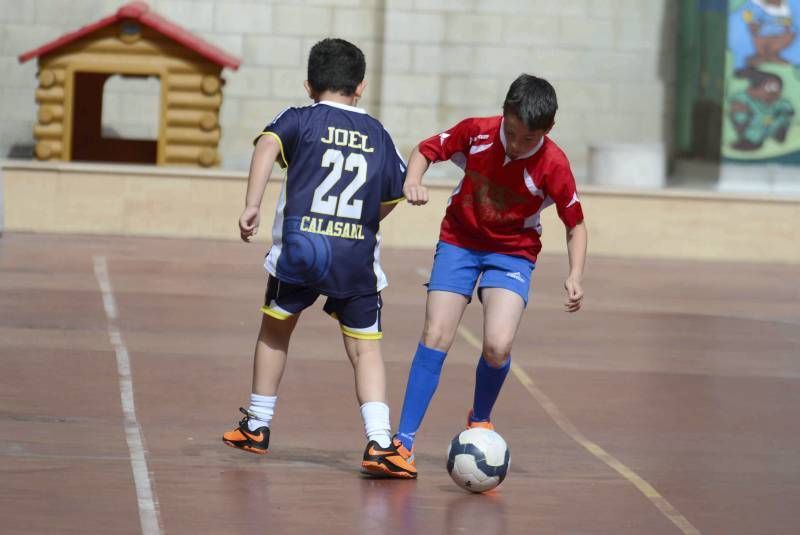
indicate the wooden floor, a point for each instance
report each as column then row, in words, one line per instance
column 671, row 404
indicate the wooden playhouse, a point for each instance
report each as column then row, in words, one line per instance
column 133, row 42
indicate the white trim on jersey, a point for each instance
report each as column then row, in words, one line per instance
column 341, row 106
column 475, row 149
column 271, row 261
column 275, row 119
column 534, row 221
column 575, row 200
column 380, row 276
column 536, row 192
column 455, row 192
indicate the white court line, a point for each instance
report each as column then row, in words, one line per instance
column 147, row 501
column 566, row 425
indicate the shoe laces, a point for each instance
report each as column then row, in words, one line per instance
column 400, row 448
column 247, row 417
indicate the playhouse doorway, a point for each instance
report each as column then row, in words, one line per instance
column 115, row 118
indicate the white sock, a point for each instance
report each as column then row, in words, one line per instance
column 377, row 426
column 262, row 407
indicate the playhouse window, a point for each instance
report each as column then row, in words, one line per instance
column 116, row 118
column 131, row 107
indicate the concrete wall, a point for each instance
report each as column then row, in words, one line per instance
column 430, row 62
column 158, row 201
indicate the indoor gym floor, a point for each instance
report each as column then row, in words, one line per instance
column 670, row 404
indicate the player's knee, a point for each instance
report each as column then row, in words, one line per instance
column 275, row 331
column 436, row 337
column 266, row 328
column 496, row 354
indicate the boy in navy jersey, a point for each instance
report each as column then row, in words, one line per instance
column 344, row 175
column 490, row 236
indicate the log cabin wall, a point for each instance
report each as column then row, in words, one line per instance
column 67, row 126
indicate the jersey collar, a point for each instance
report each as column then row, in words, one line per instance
column 530, row 153
column 341, row 106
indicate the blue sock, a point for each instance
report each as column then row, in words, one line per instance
column 488, row 382
column 423, row 378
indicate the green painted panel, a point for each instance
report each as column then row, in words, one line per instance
column 701, row 77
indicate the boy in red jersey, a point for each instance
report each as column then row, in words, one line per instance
column 490, row 233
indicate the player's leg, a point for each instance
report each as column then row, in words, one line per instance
column 368, row 369
column 272, row 348
column 370, row 382
column 442, row 315
column 283, row 305
column 453, row 277
column 504, row 293
column 269, row 362
column 502, row 313
column 360, row 322
column 382, row 456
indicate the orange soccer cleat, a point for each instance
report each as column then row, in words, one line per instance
column 395, row 461
column 242, row 438
column 484, row 424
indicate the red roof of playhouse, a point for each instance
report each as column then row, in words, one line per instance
column 140, row 12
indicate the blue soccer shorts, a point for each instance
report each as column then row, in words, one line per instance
column 358, row 316
column 457, row 270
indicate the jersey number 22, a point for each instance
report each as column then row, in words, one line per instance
column 345, row 206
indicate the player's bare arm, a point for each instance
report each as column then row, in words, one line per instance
column 414, row 191
column 264, row 155
column 577, row 238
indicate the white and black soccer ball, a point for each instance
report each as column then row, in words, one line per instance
column 478, row 459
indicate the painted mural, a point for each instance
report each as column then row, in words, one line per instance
column 762, row 89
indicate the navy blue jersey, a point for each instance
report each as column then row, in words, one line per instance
column 341, row 166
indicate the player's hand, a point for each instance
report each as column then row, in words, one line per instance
column 574, row 294
column 248, row 223
column 416, row 194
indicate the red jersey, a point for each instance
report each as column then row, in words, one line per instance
column 497, row 204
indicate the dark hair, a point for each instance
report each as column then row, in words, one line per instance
column 533, row 100
column 335, row 65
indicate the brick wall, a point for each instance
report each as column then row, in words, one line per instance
column 430, row 62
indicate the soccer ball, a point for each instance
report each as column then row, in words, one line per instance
column 478, row 459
